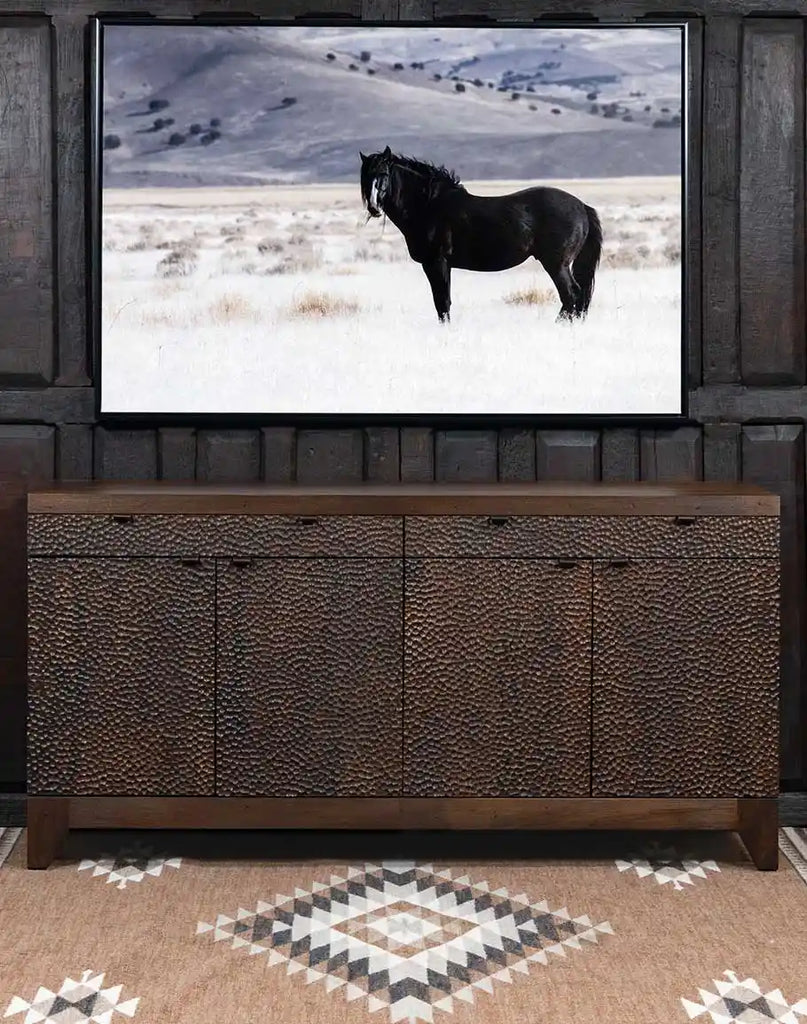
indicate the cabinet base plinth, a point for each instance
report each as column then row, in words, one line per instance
column 50, row 817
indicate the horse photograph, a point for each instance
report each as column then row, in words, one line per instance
column 370, row 220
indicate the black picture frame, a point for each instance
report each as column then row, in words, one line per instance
column 690, row 185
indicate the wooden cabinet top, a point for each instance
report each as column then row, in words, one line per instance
column 528, row 498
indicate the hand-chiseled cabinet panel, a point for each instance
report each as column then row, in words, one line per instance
column 310, row 677
column 685, row 677
column 121, row 666
column 497, row 678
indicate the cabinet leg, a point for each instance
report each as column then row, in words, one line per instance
column 48, row 825
column 758, row 826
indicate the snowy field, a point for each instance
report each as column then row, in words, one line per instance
column 283, row 299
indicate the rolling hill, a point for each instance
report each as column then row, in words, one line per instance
column 227, row 106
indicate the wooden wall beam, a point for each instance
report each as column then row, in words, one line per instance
column 26, row 253
column 466, row 455
column 228, row 456
column 773, row 457
column 739, row 404
column 720, row 188
column 771, row 207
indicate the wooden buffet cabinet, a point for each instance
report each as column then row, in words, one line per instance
column 436, row 656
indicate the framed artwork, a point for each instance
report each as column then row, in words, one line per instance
column 389, row 221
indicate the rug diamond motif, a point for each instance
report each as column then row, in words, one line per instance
column 132, row 863
column 666, row 865
column 743, row 1002
column 76, row 1002
column 405, row 938
column 405, row 927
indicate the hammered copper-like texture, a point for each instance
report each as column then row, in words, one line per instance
column 309, row 668
column 497, row 678
column 97, row 536
column 685, row 686
column 62, row 534
column 312, row 536
column 121, row 677
column 591, row 536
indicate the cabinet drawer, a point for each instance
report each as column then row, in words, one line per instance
column 88, row 535
column 592, row 536
column 310, row 536
column 84, row 535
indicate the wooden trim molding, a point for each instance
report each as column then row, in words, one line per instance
column 792, row 809
column 714, row 402
column 50, row 818
column 613, row 499
column 400, row 813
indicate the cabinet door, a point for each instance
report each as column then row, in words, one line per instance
column 497, row 678
column 685, row 687
column 121, row 676
column 309, row 677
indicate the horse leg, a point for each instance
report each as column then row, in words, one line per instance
column 569, row 290
column 570, row 294
column 439, row 274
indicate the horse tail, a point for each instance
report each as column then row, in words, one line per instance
column 587, row 260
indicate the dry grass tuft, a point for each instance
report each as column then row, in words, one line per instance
column 158, row 318
column 623, row 259
column 178, row 263
column 176, row 243
column 381, row 251
column 238, row 261
column 231, row 307
column 532, row 297
column 630, row 235
column 319, row 304
column 270, row 245
column 293, row 265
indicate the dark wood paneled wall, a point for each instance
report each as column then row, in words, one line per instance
column 746, row 308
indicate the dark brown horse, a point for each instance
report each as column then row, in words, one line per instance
column 445, row 226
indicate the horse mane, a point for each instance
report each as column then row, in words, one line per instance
column 440, row 175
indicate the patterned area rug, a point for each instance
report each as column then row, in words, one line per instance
column 8, row 837
column 597, row 928
column 793, row 843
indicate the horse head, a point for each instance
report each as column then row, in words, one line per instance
column 375, row 180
